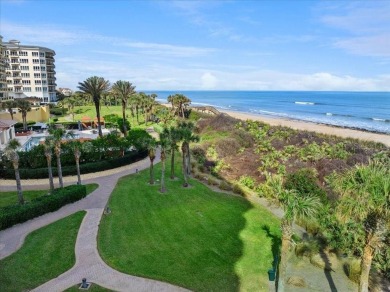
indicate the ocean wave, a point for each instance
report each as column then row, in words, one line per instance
column 305, row 102
column 380, row 120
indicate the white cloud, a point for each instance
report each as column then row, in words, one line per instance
column 367, row 24
column 209, row 81
column 167, row 49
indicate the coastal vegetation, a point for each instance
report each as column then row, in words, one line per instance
column 253, row 158
column 45, row 254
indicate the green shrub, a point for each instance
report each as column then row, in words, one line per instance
column 238, row 190
column 307, row 248
column 223, row 185
column 247, row 181
column 15, row 214
column 305, row 182
column 58, row 111
column 28, row 173
column 352, row 269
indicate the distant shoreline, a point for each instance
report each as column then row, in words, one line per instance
column 312, row 126
column 309, row 126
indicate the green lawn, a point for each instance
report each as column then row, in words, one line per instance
column 90, row 111
column 192, row 237
column 46, row 253
column 11, row 198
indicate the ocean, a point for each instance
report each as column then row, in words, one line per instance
column 369, row 111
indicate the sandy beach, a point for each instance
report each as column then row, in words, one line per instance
column 314, row 127
column 300, row 125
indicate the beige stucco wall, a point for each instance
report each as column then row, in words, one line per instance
column 37, row 114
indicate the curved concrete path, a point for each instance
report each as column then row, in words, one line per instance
column 88, row 262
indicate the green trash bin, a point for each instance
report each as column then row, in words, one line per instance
column 271, row 275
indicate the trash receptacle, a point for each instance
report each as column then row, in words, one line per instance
column 271, row 275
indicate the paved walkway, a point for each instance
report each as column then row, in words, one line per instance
column 88, row 262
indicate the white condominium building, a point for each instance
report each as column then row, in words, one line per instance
column 30, row 71
column 3, row 75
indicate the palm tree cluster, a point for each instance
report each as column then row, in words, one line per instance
column 22, row 104
column 179, row 103
column 168, row 142
column 362, row 210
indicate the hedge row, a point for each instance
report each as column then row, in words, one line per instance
column 15, row 214
column 29, row 173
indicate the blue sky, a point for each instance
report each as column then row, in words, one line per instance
column 210, row 45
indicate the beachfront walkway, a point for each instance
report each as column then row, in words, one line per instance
column 88, row 265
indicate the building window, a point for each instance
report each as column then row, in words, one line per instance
column 26, row 75
column 36, row 68
column 43, row 75
column 37, row 81
column 26, row 81
column 42, row 61
column 23, row 60
column 38, row 89
column 43, row 68
column 41, row 54
column 23, row 53
column 44, row 89
column 16, row 81
column 36, row 61
column 44, row 81
column 27, row 89
column 37, row 75
column 25, row 68
column 35, row 54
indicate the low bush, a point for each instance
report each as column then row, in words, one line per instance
column 352, row 269
column 28, row 173
column 305, row 182
column 15, row 214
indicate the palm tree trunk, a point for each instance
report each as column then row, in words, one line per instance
column 59, row 168
column 172, row 163
column 124, row 117
column 78, row 170
column 24, row 118
column 18, row 184
column 185, row 170
column 97, row 106
column 188, row 158
column 162, row 187
column 151, row 172
column 365, row 265
column 51, row 182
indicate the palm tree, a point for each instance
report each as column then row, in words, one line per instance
column 24, row 107
column 76, row 146
column 179, row 102
column 295, row 206
column 365, row 202
column 12, row 154
column 164, row 145
column 174, row 136
column 48, row 145
column 95, row 86
column 71, row 101
column 9, row 105
column 187, row 136
column 124, row 90
column 151, row 146
column 57, row 139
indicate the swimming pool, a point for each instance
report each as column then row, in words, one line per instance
column 35, row 140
